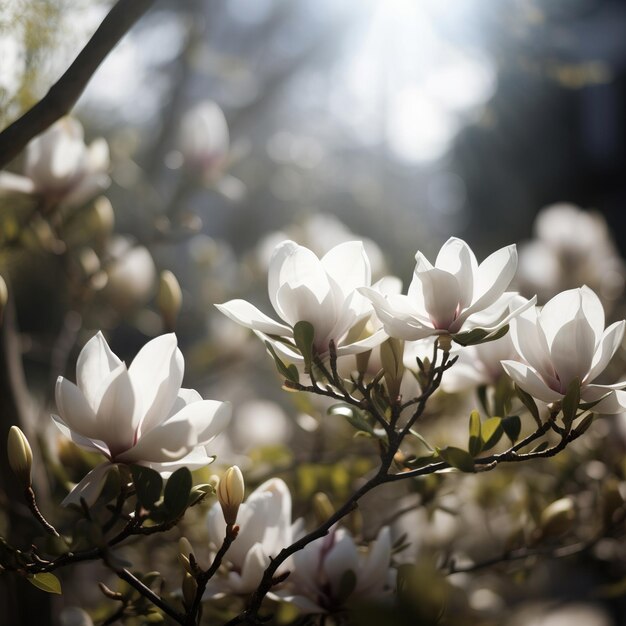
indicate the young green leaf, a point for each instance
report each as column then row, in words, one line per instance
column 491, row 432
column 475, row 444
column 529, row 402
column 303, row 335
column 46, row 581
column 570, row 402
column 460, row 459
column 289, row 372
column 512, row 427
column 176, row 493
column 148, row 485
column 354, row 417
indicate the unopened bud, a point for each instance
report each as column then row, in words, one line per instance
column 20, row 455
column 189, row 589
column 557, row 518
column 4, row 296
column 169, row 298
column 322, row 506
column 391, row 357
column 185, row 549
column 230, row 492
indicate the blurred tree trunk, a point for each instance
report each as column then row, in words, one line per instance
column 21, row 604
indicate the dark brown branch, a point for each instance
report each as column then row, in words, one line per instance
column 63, row 95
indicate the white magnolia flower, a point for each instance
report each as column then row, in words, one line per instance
column 204, row 138
column 138, row 414
column 60, row 168
column 322, row 292
column 455, row 295
column 317, row 583
column 265, row 528
column 565, row 341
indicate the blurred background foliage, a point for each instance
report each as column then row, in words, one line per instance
column 400, row 122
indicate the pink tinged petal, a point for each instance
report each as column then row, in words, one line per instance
column 442, row 295
column 612, row 401
column 572, row 350
column 95, row 362
column 611, row 341
column 90, row 487
column 156, row 374
column 493, row 277
column 194, row 425
column 117, row 422
column 372, row 574
column 348, row 265
column 249, row 316
column 528, row 379
column 75, row 409
column 342, row 557
column 457, row 258
column 79, row 440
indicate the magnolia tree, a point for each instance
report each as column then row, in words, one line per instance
column 405, row 406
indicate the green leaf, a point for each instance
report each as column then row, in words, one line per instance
column 570, row 403
column 475, row 442
column 420, row 461
column 584, row 424
column 512, row 427
column 479, row 335
column 529, row 402
column 176, row 494
column 303, row 335
column 458, row 458
column 482, row 396
column 289, row 372
column 491, row 432
column 148, row 485
column 354, row 417
column 46, row 582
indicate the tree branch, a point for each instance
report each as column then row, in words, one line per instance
column 63, row 95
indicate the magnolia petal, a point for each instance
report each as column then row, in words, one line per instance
column 442, row 295
column 88, row 187
column 79, row 440
column 253, row 567
column 348, row 265
column 14, row 183
column 363, row 345
column 95, row 362
column 184, row 397
column 342, row 557
column 196, row 424
column 528, row 379
column 613, row 400
column 493, row 277
column 457, row 258
column 75, row 409
column 281, row 253
column 116, row 415
column 594, row 311
column 156, row 374
column 572, row 349
column 372, row 574
column 199, row 457
column 530, row 342
column 249, row 316
column 90, row 487
column 611, row 341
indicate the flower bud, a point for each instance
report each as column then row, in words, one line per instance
column 322, row 506
column 4, row 296
column 184, row 549
column 557, row 518
column 230, row 492
column 169, row 298
column 189, row 589
column 20, row 455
